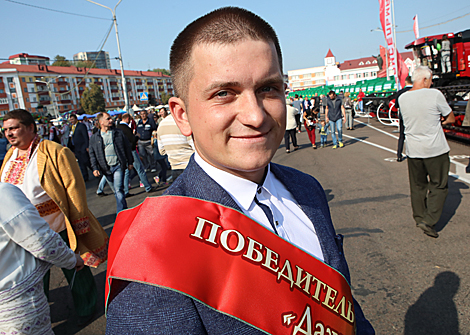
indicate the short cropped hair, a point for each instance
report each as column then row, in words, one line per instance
column 73, row 116
column 224, row 26
column 23, row 116
column 420, row 73
column 100, row 116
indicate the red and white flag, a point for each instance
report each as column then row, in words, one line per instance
column 415, row 26
column 400, row 71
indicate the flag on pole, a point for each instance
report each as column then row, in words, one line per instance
column 400, row 71
column 415, row 26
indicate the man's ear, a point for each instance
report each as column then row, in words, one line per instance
column 178, row 110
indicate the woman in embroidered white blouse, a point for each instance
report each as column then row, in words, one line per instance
column 28, row 248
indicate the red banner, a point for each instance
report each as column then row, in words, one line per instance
column 400, row 70
column 227, row 261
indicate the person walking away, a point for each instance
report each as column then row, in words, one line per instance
column 424, row 111
column 335, row 116
column 347, row 103
column 28, row 249
column 110, row 155
column 309, row 123
column 291, row 125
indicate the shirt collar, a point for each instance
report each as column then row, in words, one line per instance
column 243, row 191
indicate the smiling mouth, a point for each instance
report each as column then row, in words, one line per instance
column 254, row 136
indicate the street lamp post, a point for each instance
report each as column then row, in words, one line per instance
column 51, row 93
column 124, row 85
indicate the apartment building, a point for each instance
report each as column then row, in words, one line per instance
column 101, row 58
column 341, row 74
column 32, row 87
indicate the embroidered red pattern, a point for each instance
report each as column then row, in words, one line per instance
column 97, row 256
column 47, row 208
column 17, row 169
column 81, row 226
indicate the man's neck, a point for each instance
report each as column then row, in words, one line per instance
column 104, row 129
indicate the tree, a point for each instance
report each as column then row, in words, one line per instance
column 92, row 100
column 165, row 97
column 85, row 63
column 61, row 61
column 163, row 71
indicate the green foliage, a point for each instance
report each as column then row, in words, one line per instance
column 92, row 100
column 85, row 63
column 164, row 97
column 163, row 71
column 61, row 61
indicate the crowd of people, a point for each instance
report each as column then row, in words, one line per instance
column 218, row 143
column 323, row 114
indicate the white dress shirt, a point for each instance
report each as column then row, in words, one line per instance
column 291, row 222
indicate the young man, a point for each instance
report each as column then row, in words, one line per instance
column 78, row 143
column 145, row 127
column 111, row 155
column 227, row 73
column 335, row 115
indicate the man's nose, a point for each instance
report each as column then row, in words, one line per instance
column 251, row 111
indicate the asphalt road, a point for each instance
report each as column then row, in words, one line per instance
column 406, row 282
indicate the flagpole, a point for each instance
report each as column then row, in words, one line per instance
column 397, row 82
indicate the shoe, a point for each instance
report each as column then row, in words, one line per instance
column 334, row 146
column 296, row 148
column 153, row 189
column 352, row 128
column 322, row 146
column 128, row 195
column 341, row 144
column 287, row 151
column 157, row 179
column 129, row 186
column 147, row 170
column 102, row 194
column 141, row 185
column 153, row 170
column 428, row 230
column 314, row 146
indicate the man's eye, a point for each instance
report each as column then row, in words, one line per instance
column 222, row 94
column 267, row 89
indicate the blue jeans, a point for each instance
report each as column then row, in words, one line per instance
column 116, row 177
column 137, row 170
column 102, row 184
column 336, row 125
column 361, row 105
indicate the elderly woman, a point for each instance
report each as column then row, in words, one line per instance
column 28, row 249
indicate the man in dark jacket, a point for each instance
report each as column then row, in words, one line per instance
column 335, row 114
column 145, row 127
column 139, row 170
column 110, row 154
column 78, row 143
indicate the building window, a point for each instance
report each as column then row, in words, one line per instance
column 374, row 74
column 2, row 90
column 23, row 80
column 26, row 90
column 307, row 76
column 343, row 76
column 359, row 75
column 30, row 80
column 336, row 78
column 351, row 76
column 9, row 79
column 27, row 99
column 368, row 62
column 366, row 74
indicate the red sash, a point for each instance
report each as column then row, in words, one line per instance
column 229, row 262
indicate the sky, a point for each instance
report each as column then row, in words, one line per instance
column 306, row 29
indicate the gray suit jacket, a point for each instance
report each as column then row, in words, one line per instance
column 145, row 309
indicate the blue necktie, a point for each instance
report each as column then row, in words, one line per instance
column 267, row 212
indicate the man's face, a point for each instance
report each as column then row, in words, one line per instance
column 332, row 96
column 106, row 121
column 73, row 120
column 143, row 115
column 235, row 107
column 19, row 135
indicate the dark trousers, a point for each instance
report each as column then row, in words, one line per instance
column 146, row 152
column 83, row 162
column 428, row 187
column 297, row 120
column 163, row 170
column 290, row 133
column 84, row 292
